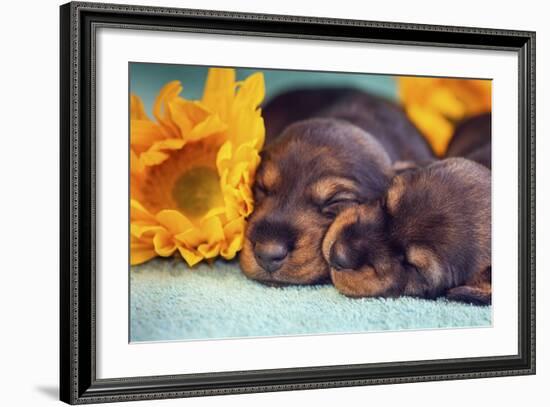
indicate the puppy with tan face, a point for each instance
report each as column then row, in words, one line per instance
column 315, row 168
column 430, row 236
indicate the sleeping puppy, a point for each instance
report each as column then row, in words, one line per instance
column 472, row 140
column 384, row 120
column 316, row 168
column 430, row 236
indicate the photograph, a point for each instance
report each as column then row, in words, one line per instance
column 253, row 202
column 275, row 202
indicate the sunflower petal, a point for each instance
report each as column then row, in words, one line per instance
column 214, row 212
column 174, row 221
column 209, row 250
column 151, row 158
column 236, row 244
column 211, row 125
column 219, row 90
column 138, row 212
column 164, row 244
column 143, row 133
column 160, row 108
column 139, row 256
column 190, row 256
column 224, row 155
column 435, row 127
column 191, row 238
column 137, row 110
column 141, row 230
column 212, row 228
column 447, row 103
column 136, row 166
column 168, row 144
column 251, row 92
column 186, row 114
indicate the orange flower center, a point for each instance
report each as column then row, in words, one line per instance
column 197, row 190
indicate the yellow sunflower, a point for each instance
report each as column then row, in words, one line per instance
column 435, row 105
column 192, row 167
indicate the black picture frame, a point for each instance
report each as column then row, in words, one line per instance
column 78, row 382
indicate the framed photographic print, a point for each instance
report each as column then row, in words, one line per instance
column 255, row 203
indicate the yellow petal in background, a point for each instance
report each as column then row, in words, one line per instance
column 445, row 101
column 434, row 126
column 437, row 105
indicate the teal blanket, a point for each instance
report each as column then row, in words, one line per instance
column 169, row 301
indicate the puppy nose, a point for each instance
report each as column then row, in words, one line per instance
column 270, row 255
column 341, row 258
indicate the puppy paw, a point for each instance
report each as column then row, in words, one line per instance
column 470, row 295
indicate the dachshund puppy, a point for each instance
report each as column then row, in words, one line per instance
column 313, row 170
column 472, row 140
column 316, row 167
column 430, row 236
column 384, row 120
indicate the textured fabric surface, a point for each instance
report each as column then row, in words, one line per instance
column 168, row 301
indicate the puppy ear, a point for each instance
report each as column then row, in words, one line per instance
column 402, row 166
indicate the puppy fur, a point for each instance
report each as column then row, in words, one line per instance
column 384, row 120
column 341, row 154
column 472, row 140
column 315, row 169
column 430, row 236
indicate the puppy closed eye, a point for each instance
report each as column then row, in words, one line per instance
column 337, row 203
column 260, row 191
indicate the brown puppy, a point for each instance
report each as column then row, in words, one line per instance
column 384, row 120
column 472, row 140
column 315, row 169
column 430, row 236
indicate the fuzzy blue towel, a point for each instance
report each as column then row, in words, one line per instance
column 169, row 301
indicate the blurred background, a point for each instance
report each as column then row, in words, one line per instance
column 146, row 80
